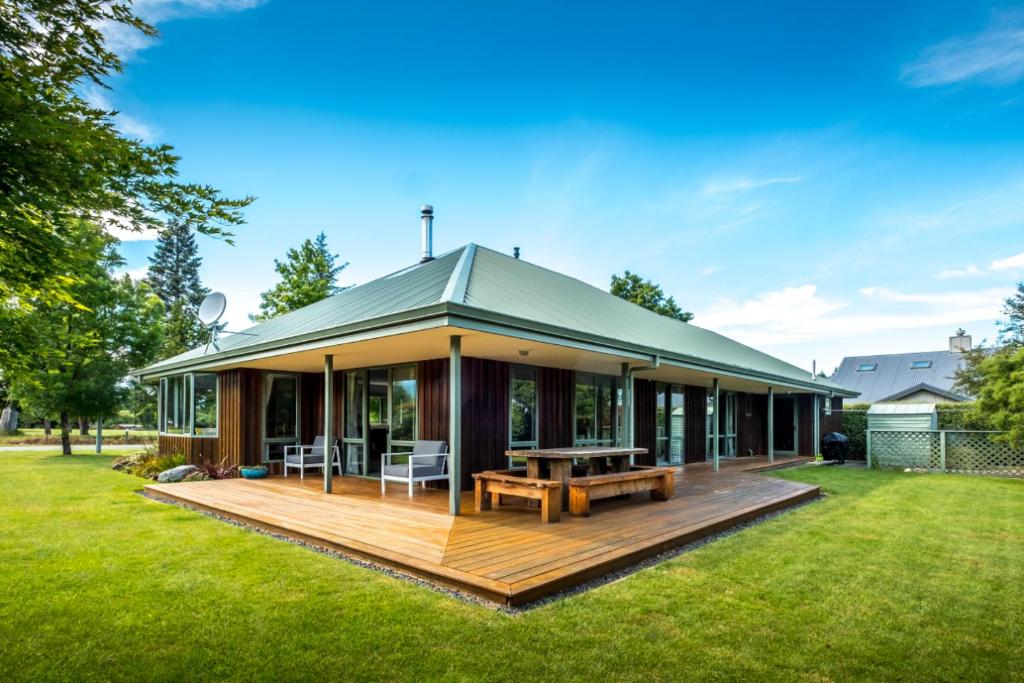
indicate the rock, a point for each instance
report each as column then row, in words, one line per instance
column 176, row 474
column 120, row 464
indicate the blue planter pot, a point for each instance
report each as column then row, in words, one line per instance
column 253, row 473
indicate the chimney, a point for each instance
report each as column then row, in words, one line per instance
column 427, row 218
column 515, row 252
column 960, row 342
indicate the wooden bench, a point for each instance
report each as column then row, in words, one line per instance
column 491, row 486
column 660, row 481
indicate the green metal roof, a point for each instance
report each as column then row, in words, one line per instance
column 473, row 281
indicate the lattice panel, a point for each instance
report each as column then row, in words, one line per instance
column 905, row 449
column 978, row 453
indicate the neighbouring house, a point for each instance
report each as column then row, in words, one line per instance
column 486, row 352
column 925, row 377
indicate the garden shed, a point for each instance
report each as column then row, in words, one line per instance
column 903, row 417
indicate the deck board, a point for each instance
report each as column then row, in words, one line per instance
column 505, row 555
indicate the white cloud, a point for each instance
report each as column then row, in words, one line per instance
column 969, row 271
column 710, row 270
column 994, row 56
column 128, row 125
column 797, row 315
column 126, row 41
column 717, row 186
column 1009, row 263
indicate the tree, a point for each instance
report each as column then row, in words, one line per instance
column 635, row 289
column 1011, row 330
column 972, row 376
column 69, row 357
column 1000, row 397
column 308, row 274
column 174, row 276
column 62, row 160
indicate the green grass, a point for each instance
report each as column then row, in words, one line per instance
column 893, row 576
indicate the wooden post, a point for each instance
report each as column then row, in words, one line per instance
column 771, row 424
column 714, row 424
column 626, row 438
column 867, row 447
column 817, row 425
column 328, row 422
column 942, row 450
column 455, row 425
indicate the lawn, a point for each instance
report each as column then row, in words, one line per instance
column 892, row 576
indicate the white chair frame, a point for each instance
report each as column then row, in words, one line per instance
column 302, row 465
column 410, row 479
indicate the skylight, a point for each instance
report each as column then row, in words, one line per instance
column 867, row 367
column 920, row 365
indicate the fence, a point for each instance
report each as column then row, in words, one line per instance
column 958, row 451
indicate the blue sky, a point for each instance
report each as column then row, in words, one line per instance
column 817, row 181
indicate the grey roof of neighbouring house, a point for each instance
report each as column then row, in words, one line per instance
column 893, row 377
column 475, row 281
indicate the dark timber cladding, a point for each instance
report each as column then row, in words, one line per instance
column 311, row 406
column 485, row 397
column 197, row 450
column 238, row 422
column 696, row 416
column 556, row 390
column 645, row 420
column 751, row 424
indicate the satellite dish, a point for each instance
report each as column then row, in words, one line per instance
column 212, row 308
column 209, row 314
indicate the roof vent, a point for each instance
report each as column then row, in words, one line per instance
column 427, row 236
column 515, row 252
column 960, row 342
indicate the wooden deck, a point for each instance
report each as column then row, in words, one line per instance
column 505, row 555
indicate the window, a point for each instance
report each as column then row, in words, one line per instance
column 523, row 408
column 596, row 408
column 205, row 388
column 920, row 365
column 403, row 404
column 670, row 423
column 867, row 367
column 188, row 404
column 522, row 412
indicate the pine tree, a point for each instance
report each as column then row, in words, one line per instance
column 174, row 277
column 308, row 274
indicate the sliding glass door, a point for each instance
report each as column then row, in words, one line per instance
column 670, row 426
column 280, row 414
column 726, row 416
column 381, row 416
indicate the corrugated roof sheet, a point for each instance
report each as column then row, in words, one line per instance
column 894, row 374
column 506, row 285
column 480, row 278
column 902, row 409
column 408, row 289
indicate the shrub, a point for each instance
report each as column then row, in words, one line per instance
column 151, row 467
column 218, row 471
column 963, row 416
column 855, row 426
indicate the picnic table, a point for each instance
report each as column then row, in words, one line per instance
column 556, row 463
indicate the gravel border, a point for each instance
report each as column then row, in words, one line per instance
column 470, row 598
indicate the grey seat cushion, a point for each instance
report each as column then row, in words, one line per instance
column 418, row 471
column 309, row 459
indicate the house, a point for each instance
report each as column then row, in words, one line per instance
column 925, row 377
column 500, row 351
